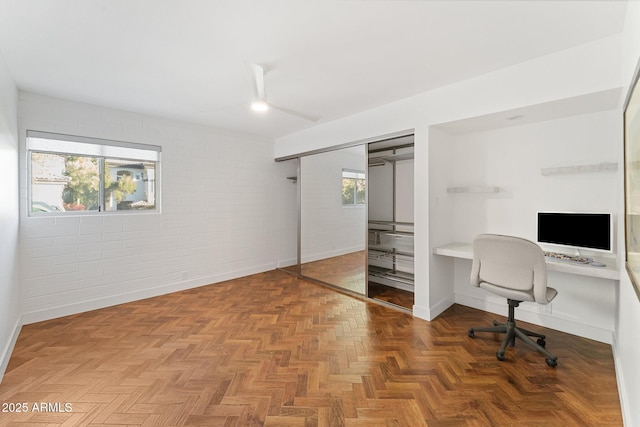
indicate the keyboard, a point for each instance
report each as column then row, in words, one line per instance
column 557, row 256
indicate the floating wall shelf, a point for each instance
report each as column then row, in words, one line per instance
column 565, row 170
column 473, row 189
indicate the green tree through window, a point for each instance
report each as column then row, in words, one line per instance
column 353, row 188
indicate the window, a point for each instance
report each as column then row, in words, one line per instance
column 78, row 174
column 353, row 188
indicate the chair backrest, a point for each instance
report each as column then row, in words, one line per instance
column 511, row 263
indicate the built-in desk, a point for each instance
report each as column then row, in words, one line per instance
column 610, row 271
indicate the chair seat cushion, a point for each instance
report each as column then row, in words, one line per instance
column 517, row 295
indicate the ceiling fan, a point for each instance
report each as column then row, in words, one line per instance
column 260, row 103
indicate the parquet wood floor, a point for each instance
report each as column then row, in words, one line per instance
column 273, row 350
column 344, row 271
column 394, row 296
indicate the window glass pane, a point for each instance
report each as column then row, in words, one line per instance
column 61, row 182
column 74, row 173
column 129, row 184
column 360, row 192
column 348, row 191
column 353, row 187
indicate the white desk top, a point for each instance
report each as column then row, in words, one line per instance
column 610, row 271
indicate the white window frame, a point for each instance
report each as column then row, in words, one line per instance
column 102, row 149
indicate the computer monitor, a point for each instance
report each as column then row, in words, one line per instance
column 591, row 231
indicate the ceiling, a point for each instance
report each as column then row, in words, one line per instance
column 583, row 104
column 186, row 59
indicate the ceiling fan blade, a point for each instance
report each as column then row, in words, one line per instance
column 295, row 113
column 257, row 81
column 256, row 72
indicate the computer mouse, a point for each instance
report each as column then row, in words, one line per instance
column 598, row 264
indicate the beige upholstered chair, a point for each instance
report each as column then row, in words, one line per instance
column 515, row 269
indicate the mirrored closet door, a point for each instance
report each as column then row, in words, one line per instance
column 333, row 218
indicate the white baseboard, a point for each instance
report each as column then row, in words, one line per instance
column 8, row 350
column 430, row 313
column 422, row 312
column 95, row 304
column 287, row 263
column 548, row 321
column 624, row 405
column 441, row 306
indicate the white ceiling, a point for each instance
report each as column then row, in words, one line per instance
column 583, row 104
column 185, row 59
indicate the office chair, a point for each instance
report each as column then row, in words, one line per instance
column 515, row 269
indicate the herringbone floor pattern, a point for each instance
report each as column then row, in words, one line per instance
column 391, row 295
column 273, row 350
column 344, row 271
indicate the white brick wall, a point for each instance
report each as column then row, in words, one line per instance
column 9, row 286
column 217, row 219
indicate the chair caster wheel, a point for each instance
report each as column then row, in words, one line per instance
column 500, row 356
column 551, row 362
column 541, row 342
column 470, row 333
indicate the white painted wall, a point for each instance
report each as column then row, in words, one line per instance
column 9, row 219
column 627, row 346
column 441, row 227
column 286, row 215
column 511, row 158
column 328, row 228
column 217, row 220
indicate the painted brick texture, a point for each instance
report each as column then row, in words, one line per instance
column 216, row 220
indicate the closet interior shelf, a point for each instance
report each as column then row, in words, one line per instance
column 376, row 222
column 381, row 160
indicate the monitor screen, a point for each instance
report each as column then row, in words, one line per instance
column 591, row 231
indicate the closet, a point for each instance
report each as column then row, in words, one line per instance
column 355, row 219
column 390, row 242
